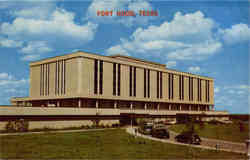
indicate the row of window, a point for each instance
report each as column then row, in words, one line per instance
column 44, row 79
column 60, row 79
column 60, row 83
column 100, row 62
column 207, row 91
column 146, row 83
column 199, row 89
column 181, row 87
column 132, row 81
column 116, row 79
column 159, row 84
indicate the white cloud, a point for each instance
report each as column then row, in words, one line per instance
column 6, row 76
column 40, row 12
column 117, row 50
column 119, row 5
column 36, row 47
column 171, row 64
column 237, row 33
column 216, row 90
column 59, row 25
column 9, row 43
column 9, row 80
column 186, row 37
column 194, row 69
column 41, row 33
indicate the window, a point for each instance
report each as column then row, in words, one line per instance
column 134, row 81
column 130, row 80
column 148, row 83
column 101, row 77
column 119, row 79
column 160, row 84
column 157, row 85
column 64, row 73
column 199, row 89
column 95, row 75
column 145, row 83
column 170, row 84
column 190, row 88
column 114, row 78
column 207, row 90
column 181, row 87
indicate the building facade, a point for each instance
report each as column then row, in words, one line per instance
column 85, row 80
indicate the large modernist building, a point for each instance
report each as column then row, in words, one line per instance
column 87, row 80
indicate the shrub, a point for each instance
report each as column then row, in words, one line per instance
column 10, row 126
column 17, row 126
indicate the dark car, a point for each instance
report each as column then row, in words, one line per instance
column 188, row 137
column 160, row 132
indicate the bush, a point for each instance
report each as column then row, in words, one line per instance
column 17, row 126
column 10, row 126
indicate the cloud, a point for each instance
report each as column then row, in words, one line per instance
column 119, row 5
column 194, row 69
column 5, row 76
column 216, row 90
column 36, row 46
column 9, row 43
column 171, row 64
column 34, row 49
column 236, row 34
column 60, row 24
column 236, row 88
column 187, row 37
column 42, row 34
column 117, row 50
column 11, row 86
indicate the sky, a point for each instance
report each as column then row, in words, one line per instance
column 206, row 38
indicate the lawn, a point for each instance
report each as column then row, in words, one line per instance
column 107, row 144
column 228, row 132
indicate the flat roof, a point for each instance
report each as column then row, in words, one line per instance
column 137, row 59
column 116, row 56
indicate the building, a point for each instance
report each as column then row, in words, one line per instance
column 114, row 86
column 89, row 80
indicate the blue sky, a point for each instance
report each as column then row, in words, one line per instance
column 207, row 38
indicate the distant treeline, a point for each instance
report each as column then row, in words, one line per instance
column 243, row 117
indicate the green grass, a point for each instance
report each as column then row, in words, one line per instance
column 228, row 132
column 107, row 144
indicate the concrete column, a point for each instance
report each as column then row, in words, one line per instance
column 158, row 106
column 170, row 107
column 180, row 107
column 79, row 103
column 198, row 108
column 58, row 103
column 96, row 104
column 131, row 105
column 145, row 106
column 190, row 108
column 115, row 104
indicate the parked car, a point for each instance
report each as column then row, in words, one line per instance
column 169, row 122
column 188, row 137
column 146, row 128
column 160, row 131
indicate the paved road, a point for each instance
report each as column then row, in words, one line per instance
column 230, row 146
column 207, row 144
